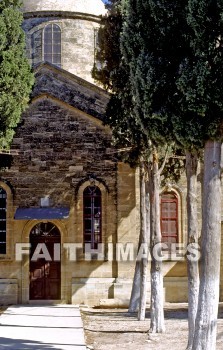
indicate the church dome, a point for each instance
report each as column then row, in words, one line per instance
column 93, row 7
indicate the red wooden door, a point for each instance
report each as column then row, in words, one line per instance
column 45, row 265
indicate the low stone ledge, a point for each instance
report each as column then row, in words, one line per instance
column 113, row 303
column 8, row 291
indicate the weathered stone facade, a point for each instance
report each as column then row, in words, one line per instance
column 61, row 144
column 78, row 39
column 60, row 147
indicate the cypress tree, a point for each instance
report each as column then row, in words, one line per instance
column 174, row 51
column 171, row 53
column 16, row 79
column 126, row 118
column 200, row 110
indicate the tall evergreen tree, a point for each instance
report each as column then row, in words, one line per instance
column 200, row 97
column 125, row 117
column 147, row 48
column 127, row 133
column 174, row 51
column 16, row 79
column 172, row 62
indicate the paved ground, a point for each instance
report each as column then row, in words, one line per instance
column 42, row 327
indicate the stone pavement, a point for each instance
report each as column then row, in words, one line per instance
column 42, row 327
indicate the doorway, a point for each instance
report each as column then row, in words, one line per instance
column 44, row 262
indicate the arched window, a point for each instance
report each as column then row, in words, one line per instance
column 52, row 44
column 3, row 198
column 92, row 216
column 169, row 218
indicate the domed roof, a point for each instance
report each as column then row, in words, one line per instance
column 93, row 7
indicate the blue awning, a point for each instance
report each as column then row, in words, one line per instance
column 41, row 213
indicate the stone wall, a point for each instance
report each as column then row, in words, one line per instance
column 71, row 90
column 90, row 291
column 58, row 148
column 8, row 291
column 175, row 289
column 78, row 39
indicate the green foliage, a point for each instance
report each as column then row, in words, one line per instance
column 108, row 55
column 174, row 167
column 16, row 79
column 153, row 50
column 127, row 138
column 113, row 74
column 163, row 62
column 128, row 69
column 199, row 82
column 174, row 53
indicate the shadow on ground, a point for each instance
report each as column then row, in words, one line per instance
column 22, row 344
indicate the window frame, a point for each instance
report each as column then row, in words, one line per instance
column 175, row 218
column 3, row 218
column 94, row 193
column 52, row 25
column 9, row 223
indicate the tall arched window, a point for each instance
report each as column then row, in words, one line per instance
column 3, row 198
column 169, row 218
column 92, row 216
column 52, row 44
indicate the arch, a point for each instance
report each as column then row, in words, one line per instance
column 182, row 209
column 87, row 181
column 169, row 217
column 45, row 262
column 25, row 238
column 92, row 214
column 29, row 225
column 80, row 189
column 3, row 209
column 52, row 44
column 45, row 229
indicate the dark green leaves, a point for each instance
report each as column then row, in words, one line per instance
column 163, row 60
column 16, row 79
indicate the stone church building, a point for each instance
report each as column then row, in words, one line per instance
column 69, row 209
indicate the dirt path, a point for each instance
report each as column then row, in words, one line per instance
column 115, row 329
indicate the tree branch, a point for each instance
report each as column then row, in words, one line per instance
column 164, row 161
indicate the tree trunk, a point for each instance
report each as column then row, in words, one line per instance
column 206, row 320
column 144, row 240
column 156, row 306
column 192, row 266
column 135, row 294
